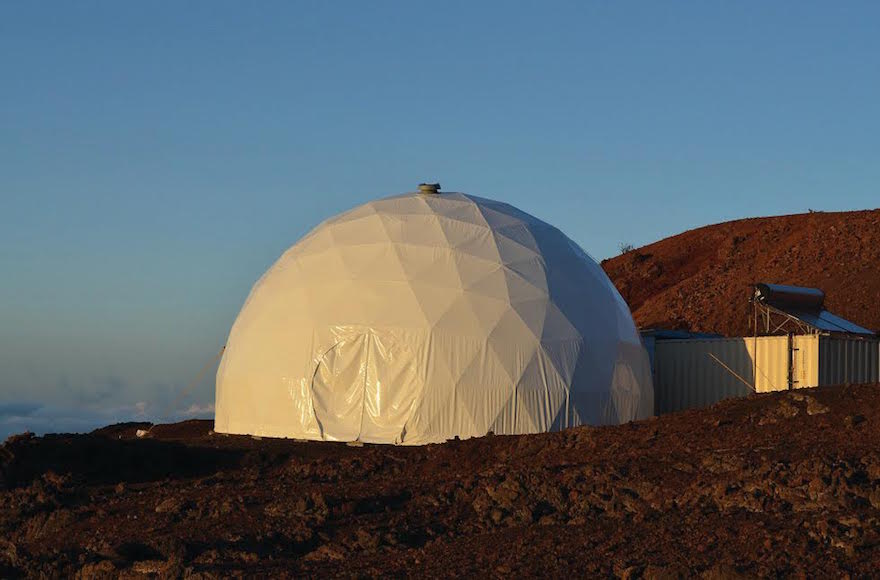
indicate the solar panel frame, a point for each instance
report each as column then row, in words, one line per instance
column 826, row 321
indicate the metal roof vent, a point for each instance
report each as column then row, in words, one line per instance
column 429, row 188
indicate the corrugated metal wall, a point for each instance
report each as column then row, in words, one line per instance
column 848, row 361
column 649, row 343
column 689, row 373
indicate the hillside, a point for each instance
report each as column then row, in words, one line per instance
column 775, row 485
column 699, row 280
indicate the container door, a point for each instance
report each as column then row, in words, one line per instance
column 805, row 357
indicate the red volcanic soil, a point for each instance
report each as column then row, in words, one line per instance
column 699, row 280
column 772, row 485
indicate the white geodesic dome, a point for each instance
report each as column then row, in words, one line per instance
column 422, row 317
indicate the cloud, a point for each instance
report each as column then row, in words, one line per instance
column 94, row 391
column 81, row 406
column 38, row 418
column 22, row 416
column 20, row 409
column 196, row 410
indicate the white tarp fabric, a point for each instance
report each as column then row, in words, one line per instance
column 422, row 317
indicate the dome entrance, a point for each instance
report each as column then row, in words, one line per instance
column 364, row 389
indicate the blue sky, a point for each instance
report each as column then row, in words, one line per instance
column 155, row 158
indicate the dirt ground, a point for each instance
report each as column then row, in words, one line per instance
column 786, row 484
column 700, row 280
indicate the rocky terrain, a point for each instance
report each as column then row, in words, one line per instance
column 782, row 484
column 699, row 280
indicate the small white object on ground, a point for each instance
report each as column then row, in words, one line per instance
column 141, row 433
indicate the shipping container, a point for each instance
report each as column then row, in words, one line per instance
column 693, row 373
